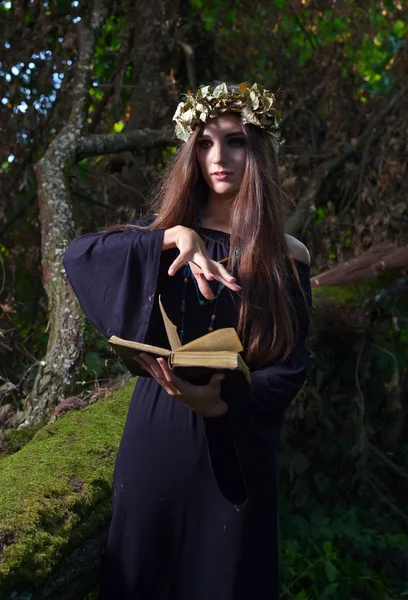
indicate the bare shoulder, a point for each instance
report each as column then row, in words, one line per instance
column 297, row 249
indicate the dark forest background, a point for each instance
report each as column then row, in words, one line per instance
column 88, row 90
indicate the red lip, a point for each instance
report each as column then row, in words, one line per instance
column 222, row 173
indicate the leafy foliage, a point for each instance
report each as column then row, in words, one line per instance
column 340, row 554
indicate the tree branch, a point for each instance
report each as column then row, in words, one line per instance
column 306, row 204
column 108, row 143
column 190, row 64
column 302, row 104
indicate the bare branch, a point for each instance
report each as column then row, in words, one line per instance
column 382, row 256
column 190, row 63
column 306, row 204
column 302, row 104
column 108, row 143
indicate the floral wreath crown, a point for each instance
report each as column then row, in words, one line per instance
column 254, row 103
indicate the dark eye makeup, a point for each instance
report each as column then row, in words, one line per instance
column 204, row 143
column 234, row 142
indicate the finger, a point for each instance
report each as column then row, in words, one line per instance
column 215, row 380
column 178, row 263
column 229, row 284
column 153, row 365
column 155, row 369
column 206, row 290
column 164, row 379
column 210, row 268
column 139, row 360
column 224, row 277
column 144, row 365
column 202, row 267
column 203, row 286
column 169, row 375
column 174, row 383
column 205, row 266
column 214, row 270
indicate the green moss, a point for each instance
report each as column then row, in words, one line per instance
column 56, row 490
column 346, row 295
column 17, row 438
column 354, row 294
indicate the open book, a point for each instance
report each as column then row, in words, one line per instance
column 218, row 351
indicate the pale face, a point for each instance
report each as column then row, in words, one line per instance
column 221, row 154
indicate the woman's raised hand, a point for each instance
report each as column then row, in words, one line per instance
column 192, row 250
column 205, row 400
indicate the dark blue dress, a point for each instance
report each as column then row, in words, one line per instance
column 194, row 499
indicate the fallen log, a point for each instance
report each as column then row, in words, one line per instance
column 55, row 503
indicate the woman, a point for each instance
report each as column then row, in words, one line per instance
column 195, row 482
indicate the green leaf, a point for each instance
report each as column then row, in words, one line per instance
column 330, row 570
column 327, row 548
column 329, row 591
column 117, row 127
column 302, row 595
column 400, row 28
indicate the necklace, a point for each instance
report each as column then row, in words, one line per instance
column 187, row 274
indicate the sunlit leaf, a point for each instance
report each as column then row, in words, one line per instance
column 117, row 128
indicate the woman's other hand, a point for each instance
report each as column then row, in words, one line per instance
column 205, row 400
column 192, row 250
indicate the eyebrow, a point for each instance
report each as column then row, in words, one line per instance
column 233, row 134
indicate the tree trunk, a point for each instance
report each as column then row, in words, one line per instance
column 56, row 377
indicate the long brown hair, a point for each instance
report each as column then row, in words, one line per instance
column 265, row 319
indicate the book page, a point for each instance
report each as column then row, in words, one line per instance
column 216, row 359
column 117, row 341
column 171, row 329
column 225, row 340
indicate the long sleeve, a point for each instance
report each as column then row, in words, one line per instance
column 243, row 443
column 275, row 386
column 114, row 276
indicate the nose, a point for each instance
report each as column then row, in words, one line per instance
column 218, row 154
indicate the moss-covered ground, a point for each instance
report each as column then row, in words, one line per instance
column 17, row 438
column 56, row 490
